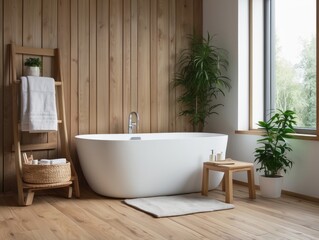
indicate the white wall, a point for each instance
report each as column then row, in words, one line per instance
column 228, row 19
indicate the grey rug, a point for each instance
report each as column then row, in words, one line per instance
column 167, row 206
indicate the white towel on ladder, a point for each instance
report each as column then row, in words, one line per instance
column 38, row 106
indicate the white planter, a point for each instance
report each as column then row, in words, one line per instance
column 270, row 187
column 33, row 71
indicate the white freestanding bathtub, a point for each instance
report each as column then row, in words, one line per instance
column 151, row 164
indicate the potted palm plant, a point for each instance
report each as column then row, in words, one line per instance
column 201, row 77
column 272, row 154
column 32, row 66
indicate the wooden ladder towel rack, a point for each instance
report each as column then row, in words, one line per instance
column 26, row 190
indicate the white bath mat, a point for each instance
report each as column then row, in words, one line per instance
column 168, row 206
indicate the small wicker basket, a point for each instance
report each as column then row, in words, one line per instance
column 46, row 173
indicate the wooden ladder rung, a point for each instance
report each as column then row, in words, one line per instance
column 43, row 186
column 35, row 51
column 36, row 147
column 59, row 122
column 57, row 83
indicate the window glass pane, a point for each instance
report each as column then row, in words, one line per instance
column 294, row 58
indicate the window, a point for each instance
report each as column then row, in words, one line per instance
column 288, row 39
column 290, row 47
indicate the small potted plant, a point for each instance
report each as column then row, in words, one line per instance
column 32, row 66
column 272, row 155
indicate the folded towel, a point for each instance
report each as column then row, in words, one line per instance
column 52, row 161
column 24, row 104
column 38, row 106
column 44, row 162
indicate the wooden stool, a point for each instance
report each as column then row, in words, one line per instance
column 229, row 166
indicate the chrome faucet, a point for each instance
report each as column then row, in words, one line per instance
column 133, row 124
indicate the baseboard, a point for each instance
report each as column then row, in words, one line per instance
column 293, row 194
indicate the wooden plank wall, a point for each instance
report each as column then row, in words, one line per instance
column 118, row 56
column 1, row 100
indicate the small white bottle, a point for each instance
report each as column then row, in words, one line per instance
column 212, row 156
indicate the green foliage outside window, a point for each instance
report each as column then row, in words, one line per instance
column 291, row 93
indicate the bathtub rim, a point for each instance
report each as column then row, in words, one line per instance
column 158, row 136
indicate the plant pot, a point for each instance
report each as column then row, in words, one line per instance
column 270, row 187
column 33, row 71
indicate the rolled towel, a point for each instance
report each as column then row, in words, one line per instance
column 58, row 161
column 35, row 162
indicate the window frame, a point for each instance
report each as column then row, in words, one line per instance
column 302, row 133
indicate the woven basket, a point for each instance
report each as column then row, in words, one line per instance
column 46, row 173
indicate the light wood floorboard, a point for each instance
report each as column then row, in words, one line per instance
column 95, row 217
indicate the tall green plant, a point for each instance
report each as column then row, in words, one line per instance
column 272, row 154
column 201, row 77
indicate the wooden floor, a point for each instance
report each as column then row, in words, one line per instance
column 94, row 217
